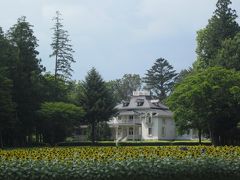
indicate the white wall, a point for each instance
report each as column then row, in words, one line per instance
column 154, row 127
column 169, row 128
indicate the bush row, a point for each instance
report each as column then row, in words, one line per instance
column 166, row 143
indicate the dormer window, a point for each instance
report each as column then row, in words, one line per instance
column 140, row 102
column 125, row 103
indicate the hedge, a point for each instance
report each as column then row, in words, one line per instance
column 135, row 143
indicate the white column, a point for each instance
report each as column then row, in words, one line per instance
column 116, row 133
column 134, row 133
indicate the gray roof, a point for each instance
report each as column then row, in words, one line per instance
column 147, row 105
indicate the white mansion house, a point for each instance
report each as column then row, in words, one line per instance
column 144, row 119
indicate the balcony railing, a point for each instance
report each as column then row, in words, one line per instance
column 129, row 121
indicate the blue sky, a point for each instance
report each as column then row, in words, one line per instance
column 117, row 36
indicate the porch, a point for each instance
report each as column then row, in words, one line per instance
column 128, row 132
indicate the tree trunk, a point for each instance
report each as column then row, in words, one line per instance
column 93, row 132
column 1, row 140
column 200, row 136
column 56, row 65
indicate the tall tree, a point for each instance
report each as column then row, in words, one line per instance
column 25, row 75
column 6, row 104
column 96, row 100
column 222, row 25
column 123, row 88
column 160, row 79
column 62, row 49
column 209, row 99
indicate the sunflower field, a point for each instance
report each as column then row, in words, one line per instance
column 163, row 162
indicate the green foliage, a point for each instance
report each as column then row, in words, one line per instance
column 122, row 89
column 57, row 120
column 7, row 107
column 25, row 75
column 208, row 99
column 160, row 79
column 229, row 55
column 221, row 26
column 62, row 49
column 144, row 169
column 55, row 89
column 103, row 131
column 96, row 100
column 183, row 74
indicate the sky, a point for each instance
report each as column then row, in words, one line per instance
column 117, row 37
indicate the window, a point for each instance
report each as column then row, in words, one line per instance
column 130, row 117
column 149, row 119
column 130, row 131
column 140, row 102
column 150, row 131
column 163, row 132
column 125, row 104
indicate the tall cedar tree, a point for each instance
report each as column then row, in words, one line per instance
column 160, row 79
column 222, row 25
column 62, row 50
column 96, row 100
column 6, row 104
column 24, row 76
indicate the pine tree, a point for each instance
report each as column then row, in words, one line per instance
column 160, row 79
column 62, row 49
column 222, row 25
column 96, row 100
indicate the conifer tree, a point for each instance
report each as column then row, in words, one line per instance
column 160, row 79
column 7, row 107
column 221, row 26
column 62, row 49
column 25, row 75
column 96, row 100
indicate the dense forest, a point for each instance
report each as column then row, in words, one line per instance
column 37, row 106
